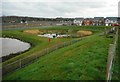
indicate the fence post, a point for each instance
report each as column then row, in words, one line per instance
column 111, row 53
column 71, row 42
column 108, row 62
column 64, row 44
column 105, row 32
column 56, row 47
column 20, row 64
column 36, row 56
column 110, row 59
column 47, row 50
column 116, row 36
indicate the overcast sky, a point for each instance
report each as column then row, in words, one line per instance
column 60, row 8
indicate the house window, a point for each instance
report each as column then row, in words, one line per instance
column 114, row 21
column 107, row 20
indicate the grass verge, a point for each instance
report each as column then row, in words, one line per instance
column 85, row 60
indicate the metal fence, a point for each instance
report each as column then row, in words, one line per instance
column 6, row 69
column 111, row 54
column 11, row 67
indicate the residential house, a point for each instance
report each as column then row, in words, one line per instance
column 65, row 21
column 78, row 21
column 118, row 19
column 110, row 21
column 88, row 22
column 98, row 21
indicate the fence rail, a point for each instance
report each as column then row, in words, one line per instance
column 8, row 68
column 11, row 67
column 111, row 54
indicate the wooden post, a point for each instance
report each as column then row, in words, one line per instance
column 111, row 53
column 71, row 42
column 64, row 44
column 20, row 65
column 56, row 47
column 46, row 50
column 105, row 32
column 110, row 61
column 36, row 56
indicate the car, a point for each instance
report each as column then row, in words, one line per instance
column 116, row 24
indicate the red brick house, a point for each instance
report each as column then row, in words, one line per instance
column 88, row 22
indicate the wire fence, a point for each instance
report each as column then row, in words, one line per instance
column 111, row 54
column 11, row 67
column 8, row 68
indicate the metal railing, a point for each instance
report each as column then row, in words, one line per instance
column 8, row 68
column 111, row 55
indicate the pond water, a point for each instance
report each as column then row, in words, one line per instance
column 12, row 46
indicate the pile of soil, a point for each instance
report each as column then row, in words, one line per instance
column 36, row 31
column 84, row 33
column 32, row 31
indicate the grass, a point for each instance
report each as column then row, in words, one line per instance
column 118, row 54
column 39, row 43
column 116, row 67
column 85, row 60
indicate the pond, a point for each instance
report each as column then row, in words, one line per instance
column 12, row 46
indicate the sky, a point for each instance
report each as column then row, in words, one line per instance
column 60, row 8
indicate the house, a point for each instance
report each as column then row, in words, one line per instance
column 88, row 22
column 65, row 21
column 110, row 21
column 23, row 20
column 118, row 19
column 98, row 21
column 78, row 21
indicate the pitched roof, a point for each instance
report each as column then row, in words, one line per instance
column 98, row 18
column 118, row 19
column 112, row 18
column 79, row 18
column 89, row 18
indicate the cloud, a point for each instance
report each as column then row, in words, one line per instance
column 60, row 8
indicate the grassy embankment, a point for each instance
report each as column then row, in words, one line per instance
column 85, row 60
column 116, row 66
column 39, row 43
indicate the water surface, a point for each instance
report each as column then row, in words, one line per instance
column 12, row 46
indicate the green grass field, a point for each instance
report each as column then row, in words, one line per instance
column 39, row 43
column 116, row 67
column 85, row 60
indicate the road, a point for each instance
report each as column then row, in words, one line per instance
column 25, row 27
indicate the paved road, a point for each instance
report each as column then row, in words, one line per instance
column 25, row 27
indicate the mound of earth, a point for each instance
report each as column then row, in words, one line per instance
column 33, row 31
column 84, row 33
